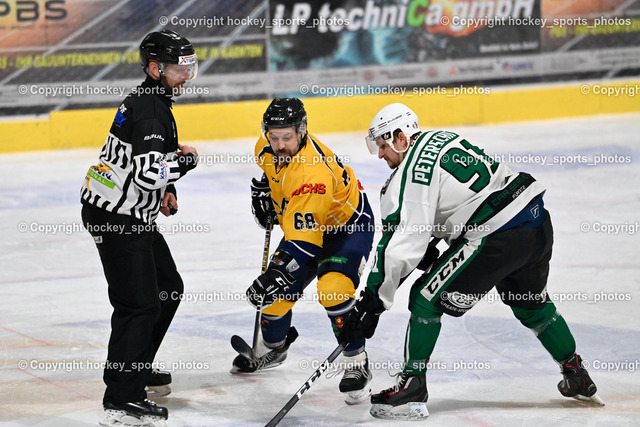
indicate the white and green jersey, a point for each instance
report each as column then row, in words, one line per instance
column 447, row 188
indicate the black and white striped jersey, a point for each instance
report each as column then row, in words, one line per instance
column 138, row 162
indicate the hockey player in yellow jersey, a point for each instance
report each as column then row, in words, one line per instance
column 328, row 234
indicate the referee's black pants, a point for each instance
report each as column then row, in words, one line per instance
column 144, row 290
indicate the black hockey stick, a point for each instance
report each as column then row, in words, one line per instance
column 237, row 342
column 265, row 262
column 306, row 386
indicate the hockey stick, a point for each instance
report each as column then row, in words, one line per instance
column 306, row 386
column 237, row 342
column 265, row 262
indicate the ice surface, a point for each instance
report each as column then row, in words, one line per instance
column 487, row 369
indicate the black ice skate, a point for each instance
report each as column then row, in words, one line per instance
column 407, row 400
column 356, row 378
column 273, row 358
column 134, row 414
column 576, row 382
column 159, row 383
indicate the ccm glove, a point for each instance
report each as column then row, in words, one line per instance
column 275, row 282
column 362, row 320
column 261, row 202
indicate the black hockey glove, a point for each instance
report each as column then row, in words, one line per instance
column 261, row 202
column 362, row 320
column 272, row 284
column 430, row 256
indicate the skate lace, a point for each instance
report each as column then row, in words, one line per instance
column 333, row 373
column 351, row 371
column 401, row 381
column 266, row 359
column 356, row 373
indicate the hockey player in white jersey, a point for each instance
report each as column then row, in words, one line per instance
column 499, row 234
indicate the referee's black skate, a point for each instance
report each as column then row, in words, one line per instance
column 271, row 359
column 134, row 414
column 407, row 400
column 159, row 383
column 356, row 378
column 576, row 382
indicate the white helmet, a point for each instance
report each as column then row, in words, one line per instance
column 392, row 117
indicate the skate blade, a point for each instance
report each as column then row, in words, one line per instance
column 357, row 396
column 159, row 390
column 592, row 399
column 412, row 411
column 121, row 419
column 271, row 366
column 152, row 421
column 235, row 370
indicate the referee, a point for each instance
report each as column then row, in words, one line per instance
column 133, row 181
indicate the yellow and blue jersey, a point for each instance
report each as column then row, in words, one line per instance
column 327, row 224
column 312, row 193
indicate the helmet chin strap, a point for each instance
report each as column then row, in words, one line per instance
column 401, row 153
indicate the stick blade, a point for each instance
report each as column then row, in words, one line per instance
column 241, row 346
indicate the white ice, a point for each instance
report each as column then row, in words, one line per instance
column 487, row 369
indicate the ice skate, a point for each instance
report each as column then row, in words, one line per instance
column 356, row 378
column 271, row 359
column 576, row 382
column 159, row 383
column 134, row 414
column 407, row 400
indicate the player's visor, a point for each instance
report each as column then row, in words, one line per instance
column 179, row 72
column 372, row 145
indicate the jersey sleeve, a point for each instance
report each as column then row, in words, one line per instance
column 152, row 168
column 407, row 231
